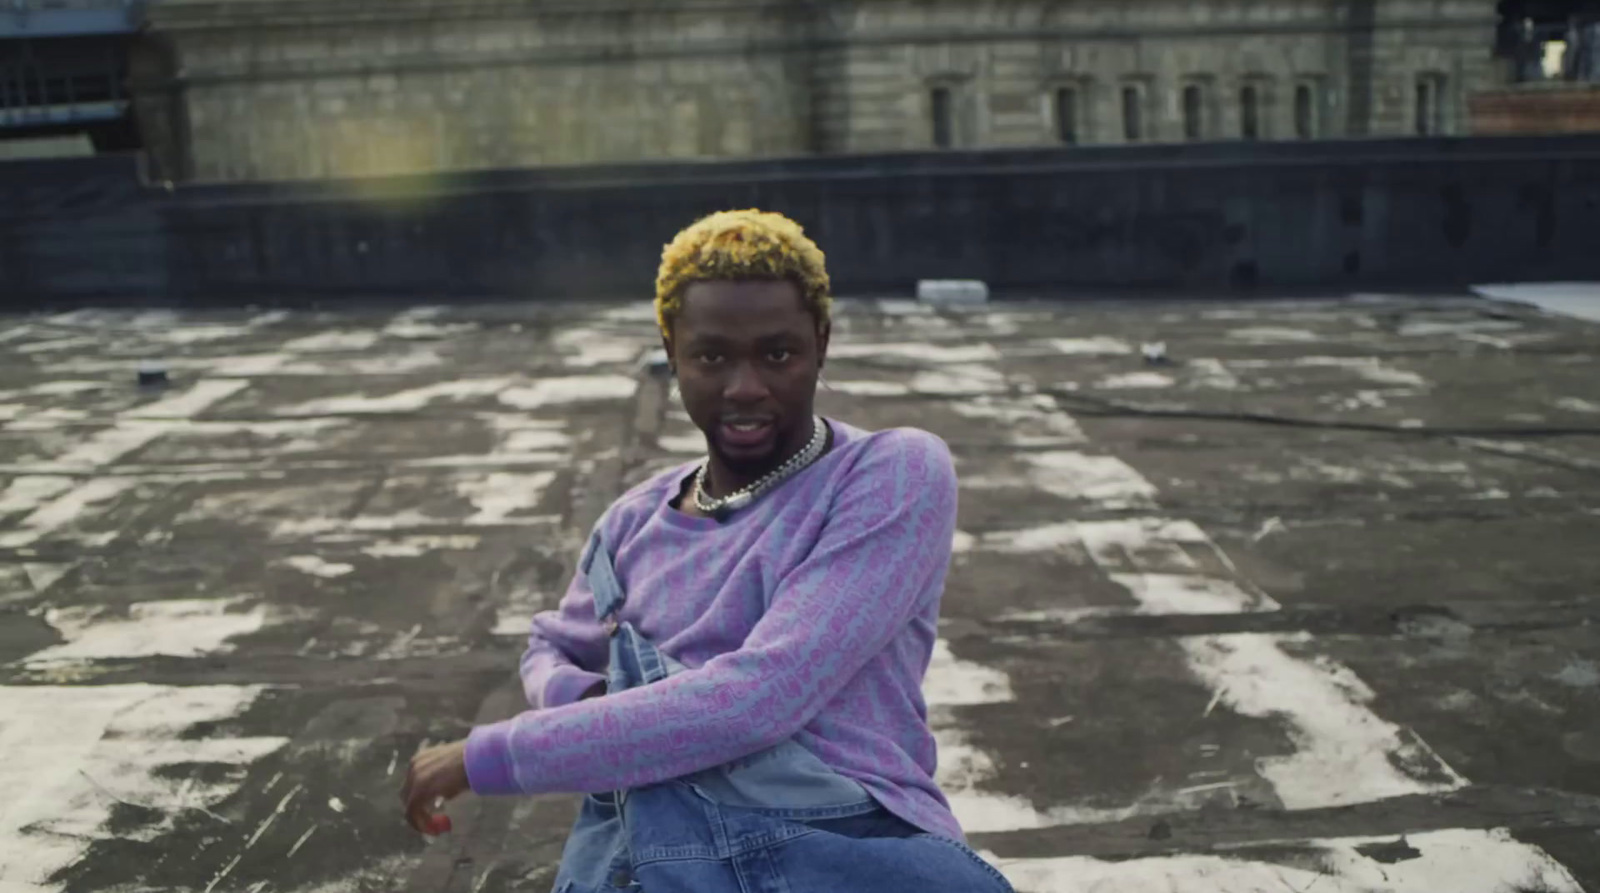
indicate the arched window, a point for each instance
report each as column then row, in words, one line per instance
column 1193, row 112
column 1250, row 112
column 943, row 126
column 1067, row 115
column 1132, row 114
column 1305, row 112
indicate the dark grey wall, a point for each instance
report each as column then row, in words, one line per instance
column 1202, row 218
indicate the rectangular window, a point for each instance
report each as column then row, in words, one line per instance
column 1250, row 112
column 1132, row 112
column 1193, row 112
column 1305, row 112
column 942, row 125
column 1067, row 115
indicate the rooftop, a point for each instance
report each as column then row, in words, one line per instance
column 1313, row 597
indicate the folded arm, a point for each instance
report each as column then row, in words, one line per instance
column 566, row 653
column 884, row 550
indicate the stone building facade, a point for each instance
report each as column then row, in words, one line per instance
column 272, row 89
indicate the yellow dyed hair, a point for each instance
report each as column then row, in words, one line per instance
column 747, row 244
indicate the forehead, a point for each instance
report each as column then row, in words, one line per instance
column 743, row 309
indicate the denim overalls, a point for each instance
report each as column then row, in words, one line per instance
column 779, row 821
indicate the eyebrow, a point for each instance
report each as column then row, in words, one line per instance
column 714, row 338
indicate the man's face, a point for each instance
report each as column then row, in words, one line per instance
column 747, row 354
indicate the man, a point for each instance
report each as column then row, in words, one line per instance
column 765, row 615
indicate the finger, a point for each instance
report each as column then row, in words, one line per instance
column 418, row 816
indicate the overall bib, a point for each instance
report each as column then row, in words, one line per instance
column 779, row 821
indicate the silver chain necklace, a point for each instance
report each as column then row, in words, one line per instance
column 738, row 499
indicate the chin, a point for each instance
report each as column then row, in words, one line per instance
column 747, row 462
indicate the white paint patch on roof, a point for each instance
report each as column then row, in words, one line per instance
column 570, row 389
column 961, row 541
column 1210, row 372
column 71, row 342
column 409, row 400
column 1272, row 335
column 1136, row 380
column 951, row 682
column 198, row 333
column 1373, row 369
column 137, row 427
column 1143, row 545
column 692, row 443
column 962, row 767
column 418, row 323
column 417, row 546
column 63, row 510
column 1191, row 594
column 42, row 576
column 1344, row 753
column 66, row 386
column 104, row 447
column 901, row 307
column 586, row 347
column 1099, row 345
column 1062, row 537
column 1460, row 861
column 1578, row 404
column 959, row 379
column 1421, row 328
column 28, row 492
column 644, row 311
column 336, row 340
column 867, row 388
column 1039, row 416
column 512, row 622
column 319, row 567
column 199, row 398
column 920, row 353
column 499, row 496
column 67, row 747
column 15, row 333
column 179, row 628
column 1105, row 480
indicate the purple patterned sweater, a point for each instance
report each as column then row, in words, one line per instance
column 809, row 615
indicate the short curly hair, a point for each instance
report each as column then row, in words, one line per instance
column 749, row 244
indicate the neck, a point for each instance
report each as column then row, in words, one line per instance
column 724, row 480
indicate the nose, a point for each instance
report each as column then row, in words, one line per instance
column 744, row 385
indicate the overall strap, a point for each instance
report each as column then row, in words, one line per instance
column 601, row 573
column 634, row 660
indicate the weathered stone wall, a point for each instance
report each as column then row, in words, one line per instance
column 1006, row 61
column 405, row 86
column 318, row 88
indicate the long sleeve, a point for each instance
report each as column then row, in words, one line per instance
column 882, row 553
column 566, row 649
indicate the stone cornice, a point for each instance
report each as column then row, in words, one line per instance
column 166, row 15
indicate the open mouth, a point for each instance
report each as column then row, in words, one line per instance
column 745, row 432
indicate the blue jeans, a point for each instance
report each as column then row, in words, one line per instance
column 777, row 822
column 673, row 839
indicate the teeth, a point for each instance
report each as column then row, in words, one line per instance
column 746, row 426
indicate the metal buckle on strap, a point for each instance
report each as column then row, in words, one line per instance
column 609, row 625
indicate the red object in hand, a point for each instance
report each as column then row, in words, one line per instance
column 438, row 824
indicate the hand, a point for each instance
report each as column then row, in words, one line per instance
column 436, row 776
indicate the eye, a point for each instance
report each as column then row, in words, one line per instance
column 709, row 358
column 780, row 355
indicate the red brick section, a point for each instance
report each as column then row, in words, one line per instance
column 1542, row 108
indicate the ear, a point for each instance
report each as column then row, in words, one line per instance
column 824, row 332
